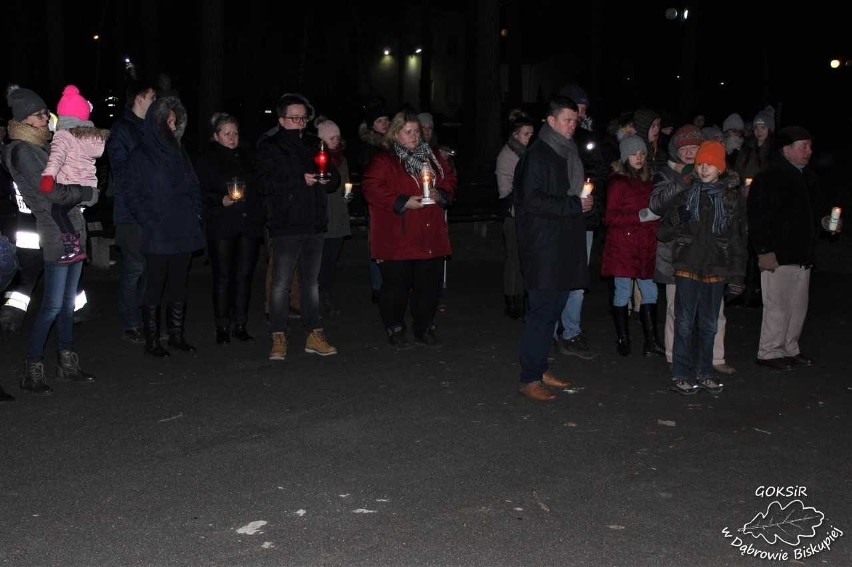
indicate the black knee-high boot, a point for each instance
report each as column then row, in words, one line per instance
column 175, row 314
column 648, row 315
column 151, row 327
column 621, row 319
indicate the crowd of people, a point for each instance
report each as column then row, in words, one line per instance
column 695, row 211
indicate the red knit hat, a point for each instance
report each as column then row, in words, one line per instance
column 72, row 104
column 711, row 152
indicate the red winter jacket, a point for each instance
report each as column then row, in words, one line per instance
column 410, row 234
column 631, row 246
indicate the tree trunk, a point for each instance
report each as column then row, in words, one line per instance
column 210, row 98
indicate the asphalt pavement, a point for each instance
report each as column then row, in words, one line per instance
column 426, row 457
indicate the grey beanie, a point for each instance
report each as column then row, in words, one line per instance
column 629, row 145
column 713, row 133
column 733, row 122
column 23, row 102
column 766, row 118
column 426, row 119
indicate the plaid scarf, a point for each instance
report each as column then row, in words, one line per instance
column 413, row 160
column 714, row 191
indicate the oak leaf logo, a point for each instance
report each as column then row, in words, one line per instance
column 787, row 523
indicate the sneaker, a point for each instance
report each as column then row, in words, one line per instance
column 711, row 385
column 684, row 387
column 577, row 346
column 33, row 379
column 279, row 347
column 317, row 343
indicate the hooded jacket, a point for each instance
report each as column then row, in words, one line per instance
column 162, row 191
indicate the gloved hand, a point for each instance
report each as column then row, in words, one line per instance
column 93, row 201
column 684, row 214
column 733, row 291
column 767, row 262
column 47, row 183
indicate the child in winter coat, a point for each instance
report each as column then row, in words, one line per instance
column 73, row 151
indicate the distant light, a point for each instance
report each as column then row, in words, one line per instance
column 110, row 104
column 267, row 112
column 627, row 78
column 685, row 14
column 590, row 146
column 835, row 63
column 721, row 83
column 96, row 37
column 127, row 59
column 677, row 77
column 418, row 50
column 111, row 115
column 504, row 32
column 386, row 51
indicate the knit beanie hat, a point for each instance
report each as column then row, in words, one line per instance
column 790, row 134
column 575, row 93
column 687, row 135
column 733, row 122
column 373, row 113
column 765, row 118
column 629, row 145
column 642, row 120
column 712, row 133
column 72, row 104
column 326, row 129
column 23, row 102
column 426, row 119
column 713, row 153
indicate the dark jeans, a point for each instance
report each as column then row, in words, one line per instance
column 287, row 252
column 545, row 307
column 60, row 291
column 131, row 284
column 59, row 213
column 331, row 248
column 696, row 312
column 417, row 281
column 168, row 275
column 233, row 261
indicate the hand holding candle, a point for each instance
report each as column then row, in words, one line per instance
column 347, row 191
column 236, row 189
column 834, row 220
column 427, row 179
column 588, row 187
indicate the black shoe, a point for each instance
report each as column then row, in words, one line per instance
column 577, row 346
column 33, row 380
column 397, row 338
column 68, row 369
column 177, row 341
column 134, row 335
column 241, row 334
column 4, row 397
column 799, row 360
column 429, row 338
column 776, row 364
column 223, row 336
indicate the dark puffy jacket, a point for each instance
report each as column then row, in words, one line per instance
column 124, row 136
column 162, row 191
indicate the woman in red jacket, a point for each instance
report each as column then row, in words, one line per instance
column 631, row 243
column 408, row 238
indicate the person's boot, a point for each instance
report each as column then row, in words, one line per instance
column 648, row 316
column 174, row 322
column 73, row 251
column 4, row 397
column 151, row 328
column 317, row 343
column 11, row 319
column 241, row 334
column 621, row 318
column 69, row 368
column 33, row 379
column 279, row 346
column 223, row 336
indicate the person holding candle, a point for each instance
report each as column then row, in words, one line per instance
column 296, row 218
column 784, row 223
column 408, row 239
column 234, row 224
column 371, row 134
column 163, row 195
column 706, row 226
column 338, row 227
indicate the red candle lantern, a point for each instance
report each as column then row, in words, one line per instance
column 321, row 161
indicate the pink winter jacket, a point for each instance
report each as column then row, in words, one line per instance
column 73, row 153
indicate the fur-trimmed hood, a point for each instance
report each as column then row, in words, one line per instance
column 157, row 131
column 370, row 136
column 86, row 132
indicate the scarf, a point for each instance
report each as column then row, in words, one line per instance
column 335, row 157
column 516, row 147
column 413, row 160
column 567, row 150
column 26, row 133
column 714, row 191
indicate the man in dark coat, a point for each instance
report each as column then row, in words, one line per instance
column 550, row 217
column 783, row 226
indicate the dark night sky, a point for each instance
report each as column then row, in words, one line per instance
column 735, row 43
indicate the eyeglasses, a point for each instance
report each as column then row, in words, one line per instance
column 297, row 119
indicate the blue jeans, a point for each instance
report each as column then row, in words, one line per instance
column 573, row 308
column 696, row 313
column 624, row 289
column 540, row 319
column 60, row 290
column 287, row 251
column 131, row 283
